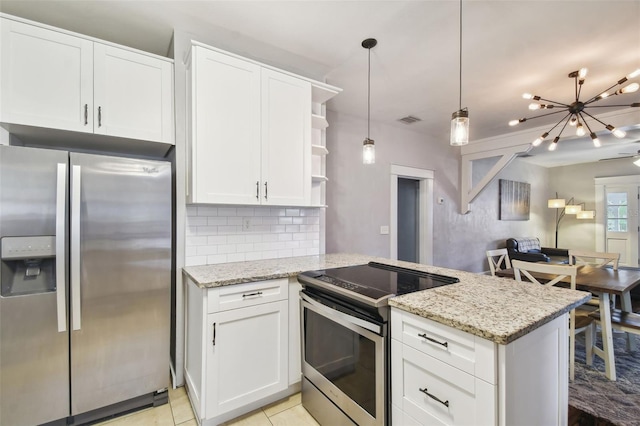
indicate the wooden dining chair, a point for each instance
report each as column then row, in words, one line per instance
column 598, row 260
column 555, row 274
column 498, row 260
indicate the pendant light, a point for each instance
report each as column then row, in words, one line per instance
column 368, row 147
column 460, row 118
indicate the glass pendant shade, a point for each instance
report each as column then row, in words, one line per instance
column 585, row 214
column 556, row 203
column 572, row 209
column 460, row 128
column 368, row 152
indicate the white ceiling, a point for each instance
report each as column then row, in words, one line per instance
column 509, row 47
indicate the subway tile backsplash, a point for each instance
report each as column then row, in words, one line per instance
column 221, row 234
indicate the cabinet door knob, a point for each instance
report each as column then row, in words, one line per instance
column 214, row 334
column 257, row 190
column 86, row 114
column 99, row 116
column 266, row 190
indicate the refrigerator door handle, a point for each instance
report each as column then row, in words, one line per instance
column 61, row 284
column 75, row 248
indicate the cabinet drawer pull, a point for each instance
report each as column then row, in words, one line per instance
column 425, row 391
column 257, row 293
column 99, row 116
column 424, row 336
column 257, row 190
column 214, row 334
column 266, row 190
column 86, row 114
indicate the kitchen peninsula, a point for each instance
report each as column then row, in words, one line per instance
column 243, row 340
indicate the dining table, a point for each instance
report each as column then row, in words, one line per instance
column 604, row 282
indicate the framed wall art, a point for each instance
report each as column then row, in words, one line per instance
column 515, row 200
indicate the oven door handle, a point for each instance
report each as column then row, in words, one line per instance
column 332, row 314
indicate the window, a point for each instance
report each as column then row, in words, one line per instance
column 617, row 211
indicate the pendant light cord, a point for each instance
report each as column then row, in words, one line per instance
column 369, row 95
column 460, row 50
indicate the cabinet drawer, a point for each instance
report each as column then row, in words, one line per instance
column 454, row 397
column 249, row 294
column 457, row 348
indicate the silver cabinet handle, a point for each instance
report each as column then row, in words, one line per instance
column 424, row 336
column 424, row 391
column 257, row 293
column 61, row 227
column 75, row 248
column 266, row 190
column 257, row 190
column 99, row 116
column 86, row 114
column 214, row 334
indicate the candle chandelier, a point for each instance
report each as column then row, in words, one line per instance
column 575, row 113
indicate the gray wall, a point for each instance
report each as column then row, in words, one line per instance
column 358, row 196
column 578, row 181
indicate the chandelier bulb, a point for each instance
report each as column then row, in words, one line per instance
column 616, row 132
column 553, row 145
column 580, row 130
column 633, row 87
column 534, row 106
column 633, row 74
column 582, row 73
column 573, row 121
column 514, row 122
column 596, row 141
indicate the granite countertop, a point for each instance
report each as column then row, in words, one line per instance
column 208, row 276
column 497, row 309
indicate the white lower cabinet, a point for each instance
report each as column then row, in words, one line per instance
column 443, row 376
column 237, row 356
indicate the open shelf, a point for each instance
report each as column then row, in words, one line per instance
column 319, row 150
column 319, row 122
column 322, row 94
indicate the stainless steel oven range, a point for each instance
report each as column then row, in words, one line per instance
column 345, row 339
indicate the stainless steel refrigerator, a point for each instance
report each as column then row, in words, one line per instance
column 85, row 284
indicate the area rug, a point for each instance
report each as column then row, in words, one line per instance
column 617, row 402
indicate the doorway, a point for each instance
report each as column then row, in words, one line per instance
column 411, row 221
column 408, row 219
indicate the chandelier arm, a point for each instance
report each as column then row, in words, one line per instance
column 604, row 91
column 608, row 106
column 544, row 115
column 554, row 102
column 599, row 121
column 575, row 84
column 585, row 122
column 561, row 120
column 565, row 124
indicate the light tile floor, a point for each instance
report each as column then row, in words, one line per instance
column 286, row 412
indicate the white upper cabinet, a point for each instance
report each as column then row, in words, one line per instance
column 47, row 78
column 132, row 95
column 286, row 139
column 58, row 80
column 225, row 148
column 251, row 126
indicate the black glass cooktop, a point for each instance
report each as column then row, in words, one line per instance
column 376, row 280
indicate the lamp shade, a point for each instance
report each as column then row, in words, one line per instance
column 585, row 214
column 460, row 128
column 368, row 152
column 572, row 209
column 556, row 203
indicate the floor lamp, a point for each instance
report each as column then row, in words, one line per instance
column 568, row 207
